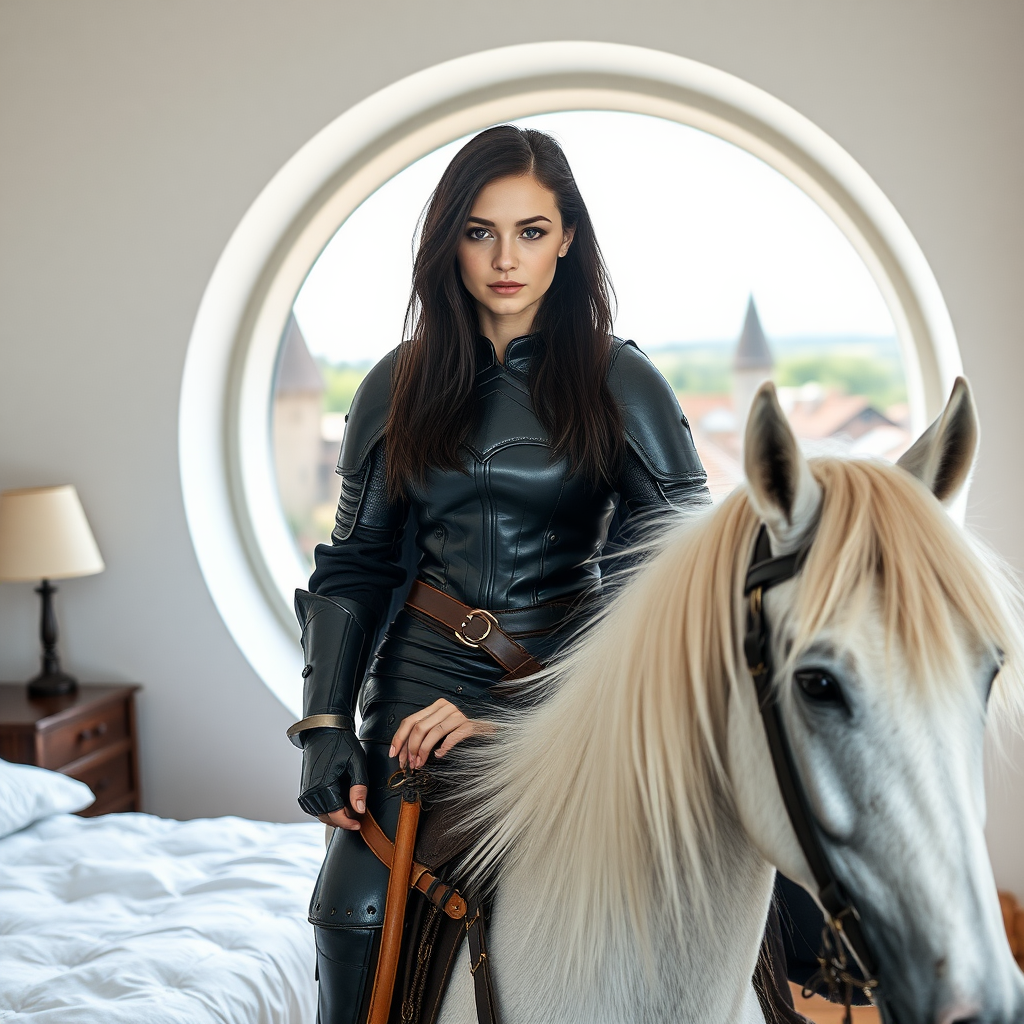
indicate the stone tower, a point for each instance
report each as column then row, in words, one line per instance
column 298, row 392
column 752, row 364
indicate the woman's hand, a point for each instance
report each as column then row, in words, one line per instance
column 416, row 737
column 420, row 733
column 345, row 817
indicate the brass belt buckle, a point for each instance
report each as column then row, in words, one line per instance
column 491, row 621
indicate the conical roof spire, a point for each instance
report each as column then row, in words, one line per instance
column 297, row 371
column 752, row 351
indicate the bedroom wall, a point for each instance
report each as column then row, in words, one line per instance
column 134, row 135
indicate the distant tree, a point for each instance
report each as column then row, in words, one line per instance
column 879, row 380
column 698, row 372
column 341, row 380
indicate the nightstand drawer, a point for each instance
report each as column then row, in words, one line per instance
column 92, row 731
column 87, row 735
column 110, row 779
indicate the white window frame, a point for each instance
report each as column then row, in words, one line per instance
column 241, row 538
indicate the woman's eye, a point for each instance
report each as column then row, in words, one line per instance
column 478, row 234
column 532, row 233
column 819, row 686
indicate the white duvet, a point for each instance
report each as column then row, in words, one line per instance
column 133, row 919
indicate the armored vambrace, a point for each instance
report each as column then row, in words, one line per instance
column 336, row 638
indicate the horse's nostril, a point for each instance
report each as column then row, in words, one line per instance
column 967, row 1020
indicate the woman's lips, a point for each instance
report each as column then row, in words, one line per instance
column 506, row 287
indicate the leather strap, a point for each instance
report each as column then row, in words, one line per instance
column 480, row 967
column 764, row 573
column 474, row 627
column 444, row 897
column 394, row 909
column 318, row 722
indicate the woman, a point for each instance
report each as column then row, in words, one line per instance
column 504, row 435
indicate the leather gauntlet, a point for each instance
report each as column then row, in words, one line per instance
column 336, row 638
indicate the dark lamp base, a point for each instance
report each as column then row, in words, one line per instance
column 52, row 684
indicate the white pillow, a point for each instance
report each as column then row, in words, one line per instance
column 28, row 794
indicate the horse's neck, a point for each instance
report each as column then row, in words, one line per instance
column 703, row 980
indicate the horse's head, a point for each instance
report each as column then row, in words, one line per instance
column 886, row 648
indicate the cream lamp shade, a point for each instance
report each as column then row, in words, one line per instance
column 44, row 535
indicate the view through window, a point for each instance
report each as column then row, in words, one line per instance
column 725, row 274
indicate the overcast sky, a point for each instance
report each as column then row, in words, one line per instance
column 690, row 226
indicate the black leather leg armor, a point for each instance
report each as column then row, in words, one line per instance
column 347, row 908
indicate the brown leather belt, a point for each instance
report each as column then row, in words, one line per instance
column 444, row 897
column 474, row 627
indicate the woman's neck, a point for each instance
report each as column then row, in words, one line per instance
column 500, row 330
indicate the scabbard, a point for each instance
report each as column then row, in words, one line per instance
column 394, row 909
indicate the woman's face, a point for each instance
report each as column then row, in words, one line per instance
column 510, row 247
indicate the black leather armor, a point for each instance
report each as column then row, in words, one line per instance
column 516, row 533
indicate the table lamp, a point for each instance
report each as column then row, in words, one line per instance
column 44, row 535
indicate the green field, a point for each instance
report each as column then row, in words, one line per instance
column 858, row 366
column 871, row 366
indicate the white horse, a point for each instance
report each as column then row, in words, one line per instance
column 633, row 815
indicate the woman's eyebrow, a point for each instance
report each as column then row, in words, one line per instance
column 519, row 223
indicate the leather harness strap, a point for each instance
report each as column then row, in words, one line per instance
column 394, row 909
column 474, row 627
column 764, row 573
column 444, row 897
column 480, row 968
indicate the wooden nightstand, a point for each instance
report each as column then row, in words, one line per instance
column 89, row 736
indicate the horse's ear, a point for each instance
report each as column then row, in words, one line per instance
column 782, row 489
column 942, row 457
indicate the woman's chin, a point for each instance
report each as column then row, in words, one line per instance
column 508, row 305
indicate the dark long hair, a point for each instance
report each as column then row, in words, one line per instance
column 433, row 404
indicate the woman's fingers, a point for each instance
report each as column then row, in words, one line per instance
column 357, row 799
column 408, row 742
column 343, row 817
column 340, row 819
column 463, row 732
column 407, row 725
column 430, row 735
column 471, row 727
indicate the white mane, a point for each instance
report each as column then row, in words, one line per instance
column 605, row 793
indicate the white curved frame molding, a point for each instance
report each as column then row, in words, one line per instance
column 245, row 552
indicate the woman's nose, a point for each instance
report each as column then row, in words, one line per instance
column 505, row 258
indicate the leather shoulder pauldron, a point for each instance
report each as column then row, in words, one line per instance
column 651, row 417
column 367, row 417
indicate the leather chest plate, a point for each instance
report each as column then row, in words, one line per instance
column 515, row 528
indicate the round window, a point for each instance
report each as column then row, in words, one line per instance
column 742, row 240
column 726, row 274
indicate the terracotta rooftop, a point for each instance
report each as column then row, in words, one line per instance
column 832, row 423
column 815, row 413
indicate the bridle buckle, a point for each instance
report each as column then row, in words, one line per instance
column 490, row 623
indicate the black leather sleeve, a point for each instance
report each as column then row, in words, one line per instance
column 336, row 638
column 362, row 561
column 349, row 592
column 661, row 469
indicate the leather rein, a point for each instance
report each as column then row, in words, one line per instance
column 842, row 919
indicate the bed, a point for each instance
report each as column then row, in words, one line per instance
column 135, row 919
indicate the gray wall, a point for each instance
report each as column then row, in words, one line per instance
column 134, row 135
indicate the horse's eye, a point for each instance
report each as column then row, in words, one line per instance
column 992, row 682
column 819, row 686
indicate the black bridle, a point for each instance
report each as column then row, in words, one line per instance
column 843, row 921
